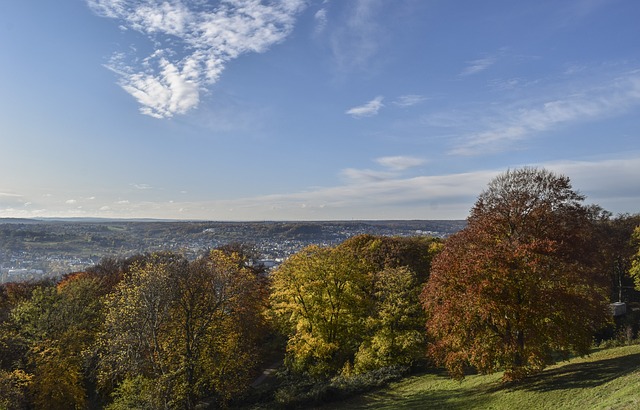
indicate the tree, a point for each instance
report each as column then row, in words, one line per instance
column 634, row 271
column 354, row 306
column 137, row 318
column 181, row 330
column 319, row 297
column 394, row 331
column 617, row 249
column 218, row 321
column 520, row 282
column 58, row 325
column 386, row 252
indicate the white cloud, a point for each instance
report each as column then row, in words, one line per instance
column 358, row 40
column 400, row 163
column 608, row 99
column 366, row 110
column 437, row 196
column 409, row 100
column 353, row 175
column 70, row 201
column 612, row 183
column 321, row 20
column 478, row 65
column 193, row 42
column 142, row 187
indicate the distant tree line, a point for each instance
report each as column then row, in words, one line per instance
column 528, row 280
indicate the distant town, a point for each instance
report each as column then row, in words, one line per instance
column 32, row 249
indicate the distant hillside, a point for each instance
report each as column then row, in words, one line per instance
column 58, row 246
column 18, row 221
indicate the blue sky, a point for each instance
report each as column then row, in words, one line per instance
column 311, row 110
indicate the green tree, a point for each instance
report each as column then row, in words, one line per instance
column 57, row 326
column 319, row 297
column 382, row 252
column 355, row 306
column 394, row 332
column 187, row 327
column 14, row 388
column 394, row 323
column 520, row 282
column 634, row 271
column 617, row 249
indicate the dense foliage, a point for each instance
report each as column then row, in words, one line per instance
column 528, row 279
column 154, row 331
column 520, row 282
column 353, row 308
column 635, row 264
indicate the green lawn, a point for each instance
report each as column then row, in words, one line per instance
column 607, row 379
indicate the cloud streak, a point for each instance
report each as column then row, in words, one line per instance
column 591, row 104
column 478, row 65
column 358, row 39
column 368, row 109
column 409, row 100
column 400, row 163
column 448, row 196
column 367, row 194
column 193, row 41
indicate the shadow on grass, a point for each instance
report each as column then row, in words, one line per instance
column 417, row 397
column 581, row 375
column 433, row 399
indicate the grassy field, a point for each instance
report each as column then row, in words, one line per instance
column 607, row 379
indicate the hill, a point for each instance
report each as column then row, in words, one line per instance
column 607, row 379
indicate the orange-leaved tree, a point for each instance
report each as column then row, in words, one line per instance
column 520, row 282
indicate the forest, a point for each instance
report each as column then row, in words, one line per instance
column 527, row 282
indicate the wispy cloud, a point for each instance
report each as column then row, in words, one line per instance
column 369, row 194
column 409, row 100
column 359, row 176
column 478, row 65
column 367, row 110
column 142, row 187
column 606, row 99
column 433, row 196
column 193, row 42
column 400, row 163
column 321, row 20
column 356, row 42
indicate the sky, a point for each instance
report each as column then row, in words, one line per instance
column 250, row 110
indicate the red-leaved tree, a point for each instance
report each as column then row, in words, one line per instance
column 520, row 282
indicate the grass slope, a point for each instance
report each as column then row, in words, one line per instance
column 606, row 379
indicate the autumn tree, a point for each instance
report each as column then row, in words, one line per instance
column 353, row 307
column 176, row 332
column 388, row 252
column 137, row 316
column 57, row 325
column 617, row 249
column 520, row 282
column 634, row 271
column 393, row 331
column 319, row 298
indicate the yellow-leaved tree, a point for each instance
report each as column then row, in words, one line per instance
column 178, row 332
